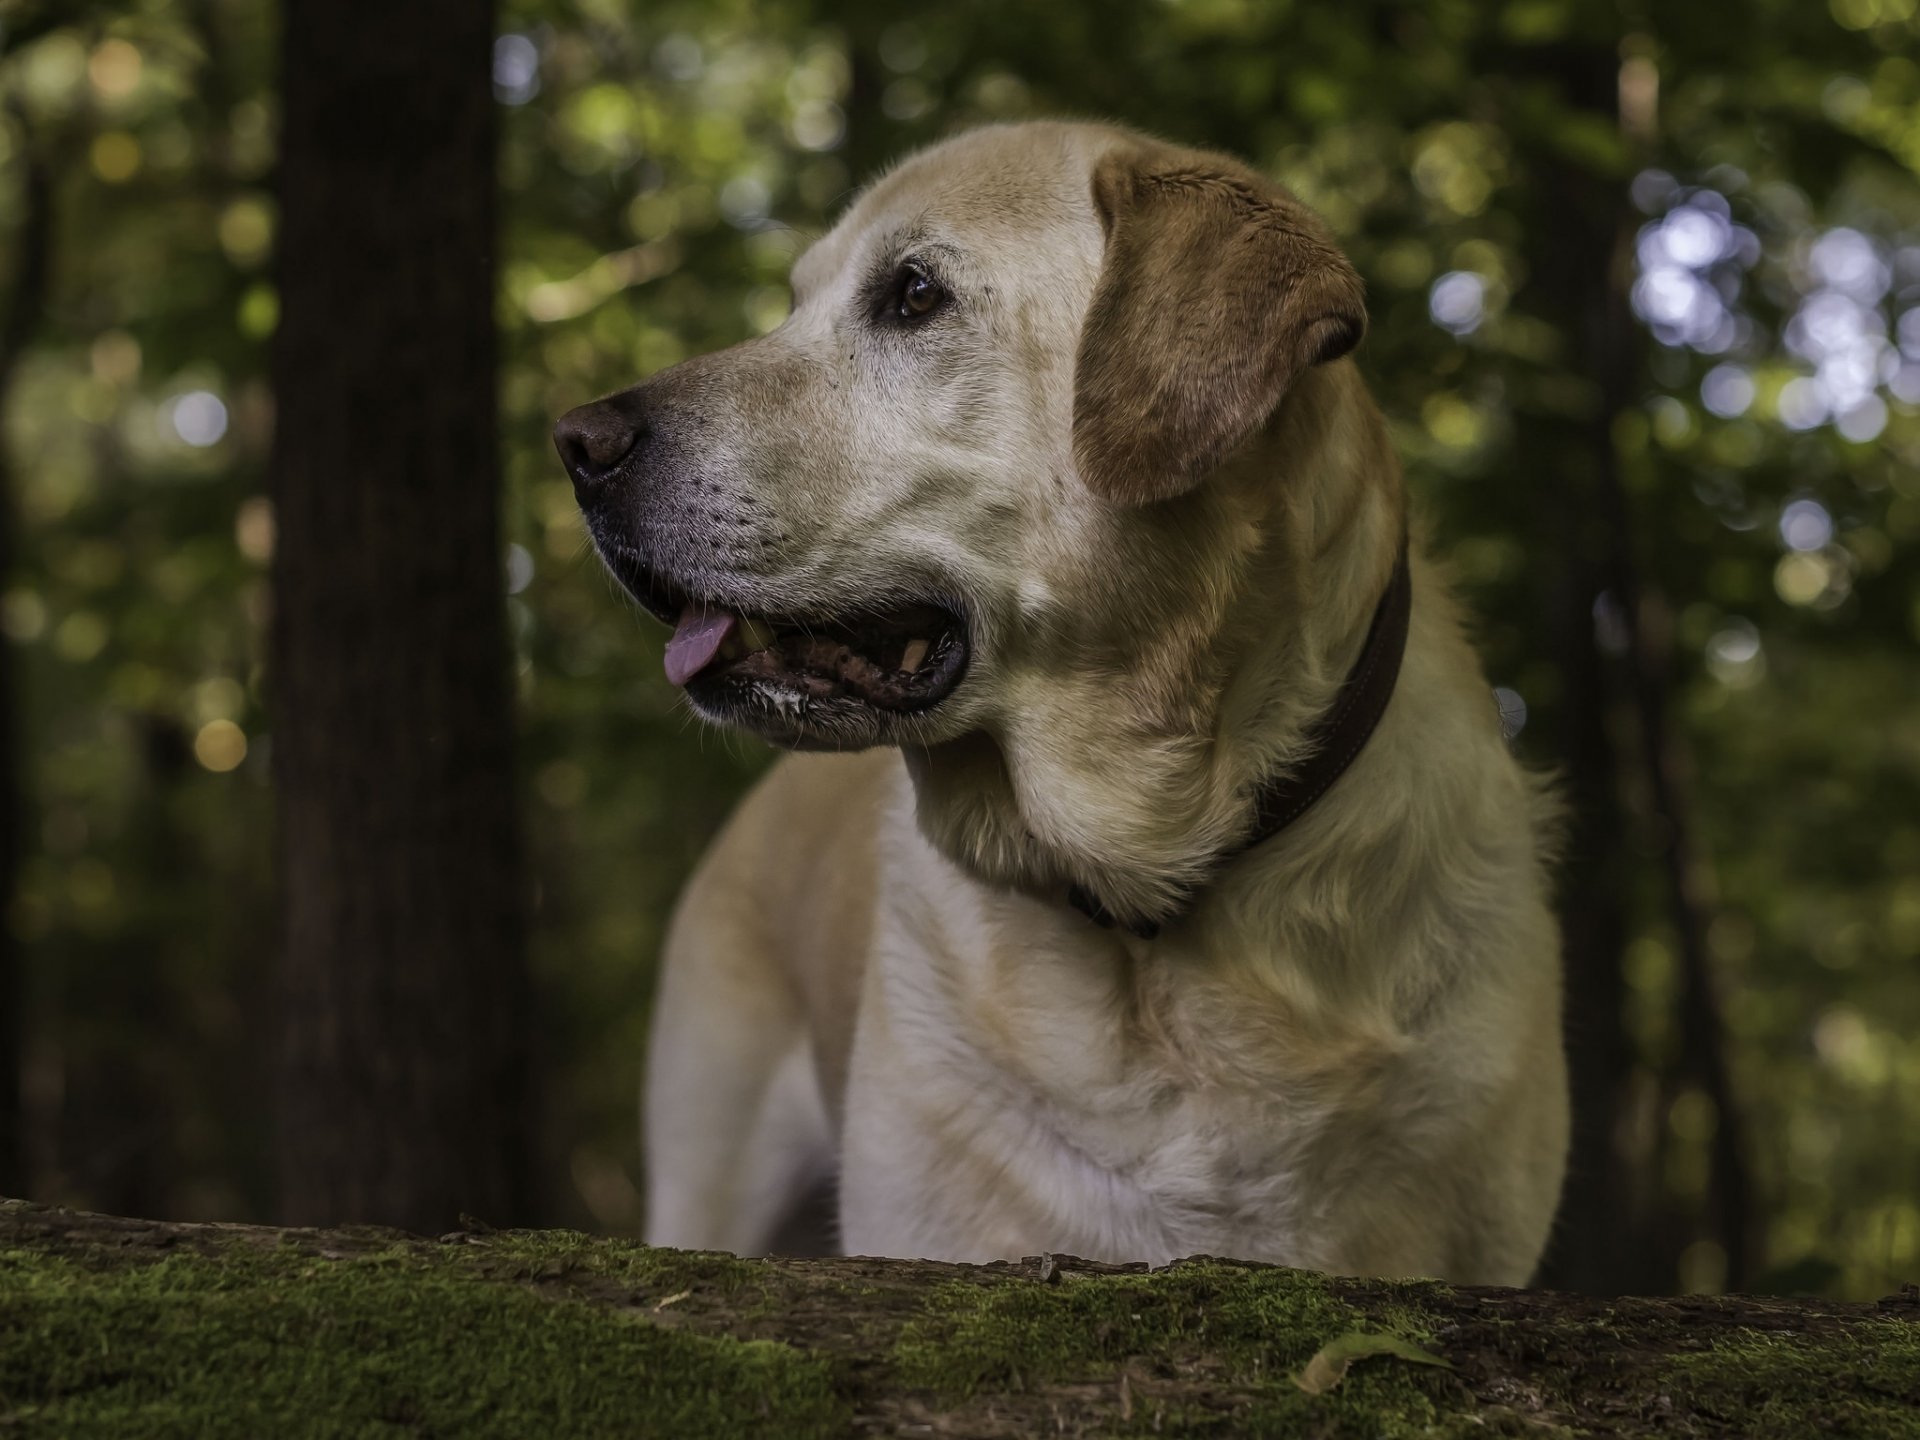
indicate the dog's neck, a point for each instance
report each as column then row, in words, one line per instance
column 1334, row 741
column 1306, row 523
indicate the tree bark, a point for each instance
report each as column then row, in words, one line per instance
column 27, row 289
column 223, row 1328
column 403, row 1089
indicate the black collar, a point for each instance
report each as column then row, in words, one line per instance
column 1334, row 741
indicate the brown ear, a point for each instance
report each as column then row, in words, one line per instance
column 1217, row 290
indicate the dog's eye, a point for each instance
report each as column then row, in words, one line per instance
column 917, row 295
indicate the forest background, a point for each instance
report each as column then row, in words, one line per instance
column 1645, row 302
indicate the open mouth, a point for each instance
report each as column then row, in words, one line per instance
column 901, row 659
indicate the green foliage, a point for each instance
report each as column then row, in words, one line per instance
column 661, row 165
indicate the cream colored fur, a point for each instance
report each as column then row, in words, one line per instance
column 1347, row 1055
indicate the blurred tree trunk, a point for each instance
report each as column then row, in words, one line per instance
column 873, row 138
column 26, row 303
column 1617, row 1232
column 1603, row 1242
column 404, row 1081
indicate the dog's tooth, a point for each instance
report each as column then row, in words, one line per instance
column 911, row 657
column 755, row 635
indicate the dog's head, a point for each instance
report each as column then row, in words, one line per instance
column 955, row 470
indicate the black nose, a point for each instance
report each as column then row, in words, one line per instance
column 594, row 439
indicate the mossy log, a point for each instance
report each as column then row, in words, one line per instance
column 132, row 1327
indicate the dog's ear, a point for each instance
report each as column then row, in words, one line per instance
column 1218, row 288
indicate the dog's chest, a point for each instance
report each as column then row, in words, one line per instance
column 1063, row 1093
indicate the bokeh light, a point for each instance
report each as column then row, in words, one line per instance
column 1513, row 711
column 1734, row 654
column 115, row 68
column 1727, row 390
column 1805, row 525
column 516, row 69
column 519, row 568
column 1457, row 300
column 220, row 746
column 198, row 417
column 1691, row 262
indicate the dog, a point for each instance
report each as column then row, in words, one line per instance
column 1155, row 878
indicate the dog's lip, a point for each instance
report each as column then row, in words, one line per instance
column 904, row 656
column 662, row 598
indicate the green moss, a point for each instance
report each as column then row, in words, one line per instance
column 1864, row 1384
column 281, row 1342
column 116, row 1328
column 563, row 1254
column 1245, row 1331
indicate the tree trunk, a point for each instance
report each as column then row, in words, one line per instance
column 403, row 1088
column 1616, row 1230
column 112, row 1327
column 26, row 305
column 1602, row 1240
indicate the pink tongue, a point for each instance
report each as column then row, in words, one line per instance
column 696, row 640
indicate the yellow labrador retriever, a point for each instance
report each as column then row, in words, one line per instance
column 1166, row 886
